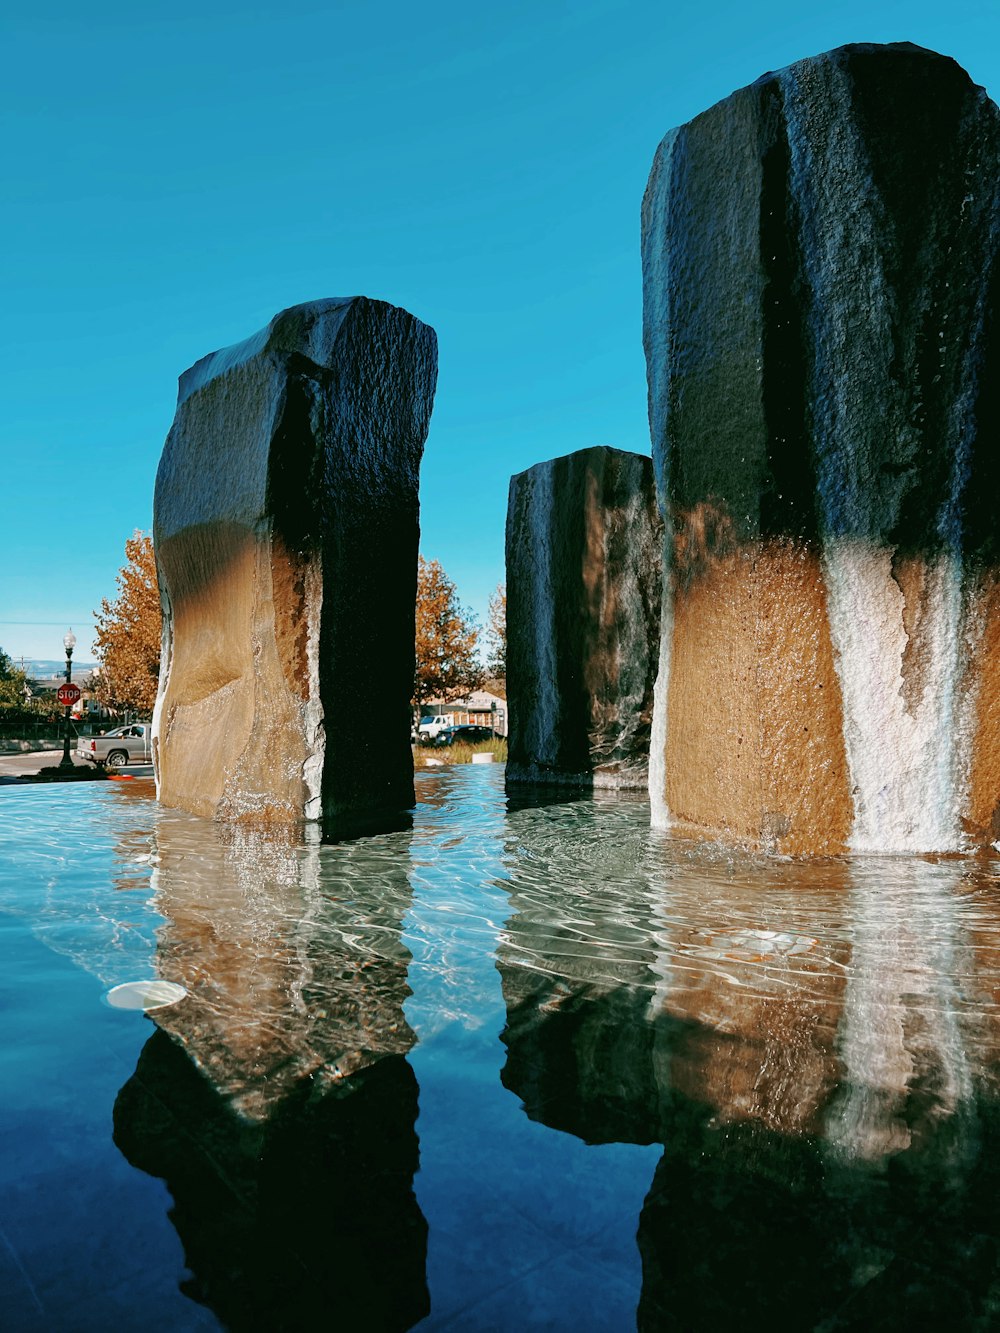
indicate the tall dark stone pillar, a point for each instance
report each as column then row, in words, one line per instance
column 583, row 590
column 286, row 530
column 820, row 294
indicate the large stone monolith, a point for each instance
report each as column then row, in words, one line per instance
column 583, row 580
column 286, row 530
column 820, row 297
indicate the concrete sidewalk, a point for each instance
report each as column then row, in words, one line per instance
column 20, row 767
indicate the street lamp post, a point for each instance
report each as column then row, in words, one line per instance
column 69, row 643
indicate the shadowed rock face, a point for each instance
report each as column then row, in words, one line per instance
column 820, row 280
column 583, row 578
column 286, row 530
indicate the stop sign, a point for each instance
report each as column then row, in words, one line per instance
column 68, row 694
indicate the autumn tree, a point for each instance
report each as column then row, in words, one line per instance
column 12, row 682
column 496, row 634
column 446, row 639
column 128, row 633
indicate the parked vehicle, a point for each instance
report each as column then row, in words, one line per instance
column 124, row 745
column 466, row 735
column 430, row 728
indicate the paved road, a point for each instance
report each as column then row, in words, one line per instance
column 24, row 765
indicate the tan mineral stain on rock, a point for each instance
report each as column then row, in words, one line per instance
column 206, row 705
column 983, row 811
column 755, row 744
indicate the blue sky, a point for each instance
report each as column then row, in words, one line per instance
column 174, row 179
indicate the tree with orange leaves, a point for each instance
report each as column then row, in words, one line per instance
column 128, row 633
column 496, row 634
column 446, row 639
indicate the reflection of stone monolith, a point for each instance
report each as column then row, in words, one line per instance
column 814, row 1094
column 285, row 1220
column 820, row 275
column 276, row 1099
column 583, row 577
column 285, row 524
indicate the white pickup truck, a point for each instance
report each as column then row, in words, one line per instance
column 430, row 728
column 124, row 745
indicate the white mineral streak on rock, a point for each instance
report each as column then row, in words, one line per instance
column 904, row 760
column 900, row 1026
column 166, row 654
column 657, row 288
column 658, row 810
column 314, row 722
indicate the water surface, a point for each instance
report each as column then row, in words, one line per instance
column 524, row 1065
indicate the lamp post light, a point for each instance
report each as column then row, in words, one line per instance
column 69, row 643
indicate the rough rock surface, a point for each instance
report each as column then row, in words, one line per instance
column 583, row 581
column 820, row 293
column 286, row 529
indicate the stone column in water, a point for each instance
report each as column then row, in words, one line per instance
column 583, row 588
column 286, row 530
column 820, row 299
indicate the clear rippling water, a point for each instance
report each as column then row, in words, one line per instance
column 527, row 1065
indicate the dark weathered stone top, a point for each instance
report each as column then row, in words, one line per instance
column 820, row 262
column 583, row 600
column 244, row 411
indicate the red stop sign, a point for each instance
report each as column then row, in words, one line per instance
column 68, row 694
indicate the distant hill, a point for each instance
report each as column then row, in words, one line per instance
column 42, row 667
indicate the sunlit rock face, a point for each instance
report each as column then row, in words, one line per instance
column 583, row 580
column 286, row 530
column 820, row 280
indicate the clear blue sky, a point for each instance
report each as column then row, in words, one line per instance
column 172, row 180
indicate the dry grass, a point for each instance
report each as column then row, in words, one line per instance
column 458, row 753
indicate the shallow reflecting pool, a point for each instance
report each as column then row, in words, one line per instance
column 523, row 1066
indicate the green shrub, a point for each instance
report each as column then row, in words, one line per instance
column 458, row 753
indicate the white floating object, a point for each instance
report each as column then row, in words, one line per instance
column 485, row 758
column 151, row 994
column 754, row 945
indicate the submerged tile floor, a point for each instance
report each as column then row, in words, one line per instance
column 524, row 1066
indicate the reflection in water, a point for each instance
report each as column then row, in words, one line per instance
column 105, row 846
column 752, row 960
column 291, row 954
column 902, row 1040
column 303, row 1219
column 276, row 1100
column 810, row 1049
column 809, row 1042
